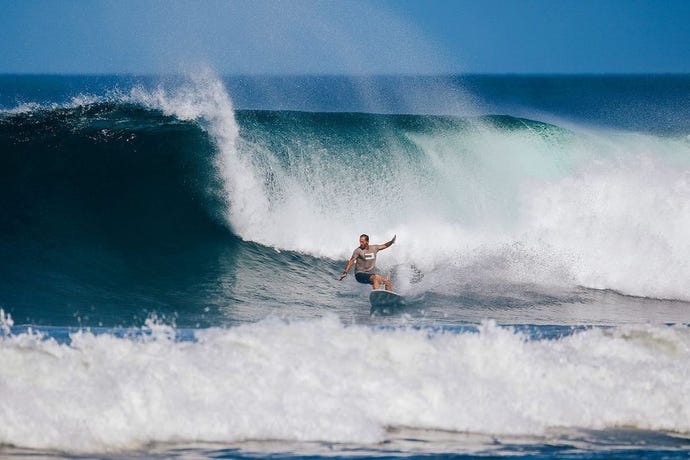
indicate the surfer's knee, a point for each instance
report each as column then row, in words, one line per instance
column 376, row 281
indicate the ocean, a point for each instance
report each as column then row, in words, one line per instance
column 170, row 248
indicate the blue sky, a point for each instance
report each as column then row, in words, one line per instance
column 345, row 36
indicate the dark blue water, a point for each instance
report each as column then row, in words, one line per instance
column 648, row 103
column 170, row 248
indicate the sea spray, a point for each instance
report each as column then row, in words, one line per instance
column 620, row 224
column 504, row 198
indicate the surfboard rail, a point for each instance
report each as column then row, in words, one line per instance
column 380, row 298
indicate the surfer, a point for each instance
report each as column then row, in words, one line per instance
column 365, row 258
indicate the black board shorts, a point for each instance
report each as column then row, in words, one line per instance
column 363, row 277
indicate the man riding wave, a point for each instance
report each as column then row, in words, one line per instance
column 364, row 256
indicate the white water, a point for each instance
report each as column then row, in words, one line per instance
column 622, row 224
column 321, row 381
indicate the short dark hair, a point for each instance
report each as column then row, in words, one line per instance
column 365, row 236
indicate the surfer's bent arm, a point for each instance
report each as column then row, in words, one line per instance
column 347, row 267
column 387, row 245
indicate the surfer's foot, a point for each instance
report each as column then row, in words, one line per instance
column 388, row 284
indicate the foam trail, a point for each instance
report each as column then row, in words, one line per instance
column 322, row 381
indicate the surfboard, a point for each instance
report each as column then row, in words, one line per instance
column 381, row 299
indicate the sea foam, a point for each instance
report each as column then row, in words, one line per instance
column 319, row 380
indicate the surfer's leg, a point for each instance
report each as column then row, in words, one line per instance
column 388, row 284
column 376, row 281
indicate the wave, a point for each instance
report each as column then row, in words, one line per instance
column 471, row 199
column 106, row 169
column 321, row 381
column 492, row 197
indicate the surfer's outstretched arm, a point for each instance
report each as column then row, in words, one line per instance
column 387, row 245
column 347, row 268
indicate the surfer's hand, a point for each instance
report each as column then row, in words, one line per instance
column 342, row 276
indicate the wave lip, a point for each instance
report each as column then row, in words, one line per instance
column 107, row 169
column 321, row 381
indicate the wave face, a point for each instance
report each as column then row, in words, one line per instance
column 105, row 170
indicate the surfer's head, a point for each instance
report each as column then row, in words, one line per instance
column 363, row 241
